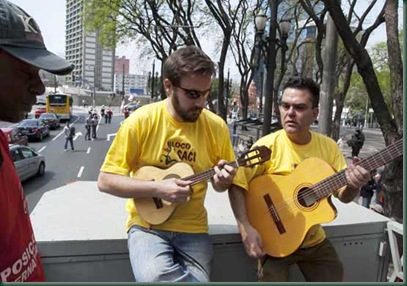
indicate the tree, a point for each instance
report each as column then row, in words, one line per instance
column 391, row 128
column 345, row 62
column 159, row 27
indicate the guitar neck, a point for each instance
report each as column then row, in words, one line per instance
column 325, row 187
column 206, row 175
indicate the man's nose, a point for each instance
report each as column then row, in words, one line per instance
column 37, row 86
column 291, row 111
column 201, row 101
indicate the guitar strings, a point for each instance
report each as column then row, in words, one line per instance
column 370, row 163
column 341, row 176
column 242, row 160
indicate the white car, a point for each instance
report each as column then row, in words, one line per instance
column 28, row 163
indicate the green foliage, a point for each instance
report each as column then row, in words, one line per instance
column 357, row 95
column 100, row 16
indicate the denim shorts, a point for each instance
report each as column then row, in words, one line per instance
column 165, row 256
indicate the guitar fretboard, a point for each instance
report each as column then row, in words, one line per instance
column 325, row 187
column 206, row 175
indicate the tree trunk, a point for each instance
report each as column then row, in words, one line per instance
column 328, row 78
column 393, row 176
column 395, row 61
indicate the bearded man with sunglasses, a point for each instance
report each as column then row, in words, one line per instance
column 22, row 55
column 175, row 131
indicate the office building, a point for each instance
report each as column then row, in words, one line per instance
column 94, row 65
column 121, row 65
column 132, row 84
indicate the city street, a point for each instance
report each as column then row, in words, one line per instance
column 62, row 167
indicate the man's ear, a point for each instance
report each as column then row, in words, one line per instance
column 167, row 86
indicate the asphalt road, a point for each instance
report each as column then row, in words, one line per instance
column 65, row 167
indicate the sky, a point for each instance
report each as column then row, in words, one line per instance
column 50, row 17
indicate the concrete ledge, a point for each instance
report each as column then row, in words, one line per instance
column 81, row 237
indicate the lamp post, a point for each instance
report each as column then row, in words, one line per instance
column 94, row 87
column 228, row 84
column 270, row 44
column 152, row 82
column 123, row 92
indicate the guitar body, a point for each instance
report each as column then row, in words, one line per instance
column 153, row 210
column 156, row 211
column 276, row 210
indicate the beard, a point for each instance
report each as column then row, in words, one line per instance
column 190, row 115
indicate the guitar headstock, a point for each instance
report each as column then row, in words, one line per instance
column 256, row 155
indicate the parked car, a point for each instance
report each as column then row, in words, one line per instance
column 28, row 163
column 131, row 106
column 51, row 119
column 14, row 136
column 41, row 100
column 34, row 129
column 39, row 110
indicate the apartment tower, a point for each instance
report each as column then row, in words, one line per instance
column 94, row 65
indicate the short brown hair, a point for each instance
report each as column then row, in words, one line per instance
column 187, row 60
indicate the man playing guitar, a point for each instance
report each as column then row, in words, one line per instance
column 295, row 143
column 178, row 131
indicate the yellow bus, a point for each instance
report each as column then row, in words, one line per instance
column 60, row 104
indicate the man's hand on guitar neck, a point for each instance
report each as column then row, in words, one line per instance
column 356, row 176
column 223, row 177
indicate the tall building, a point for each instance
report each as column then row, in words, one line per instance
column 121, row 65
column 131, row 83
column 94, row 65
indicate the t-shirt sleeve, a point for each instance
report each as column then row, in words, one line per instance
column 122, row 154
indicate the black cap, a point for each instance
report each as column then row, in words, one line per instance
column 21, row 37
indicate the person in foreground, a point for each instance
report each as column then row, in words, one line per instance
column 22, row 54
column 163, row 134
column 316, row 256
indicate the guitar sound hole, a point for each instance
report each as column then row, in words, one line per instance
column 306, row 197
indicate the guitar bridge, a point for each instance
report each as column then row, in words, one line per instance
column 274, row 214
column 158, row 203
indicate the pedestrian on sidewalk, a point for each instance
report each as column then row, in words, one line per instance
column 69, row 132
column 356, row 142
column 88, row 124
column 109, row 114
column 340, row 142
column 94, row 124
column 367, row 191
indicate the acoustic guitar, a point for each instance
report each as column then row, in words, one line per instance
column 283, row 208
column 156, row 210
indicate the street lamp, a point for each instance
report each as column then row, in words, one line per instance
column 94, row 86
column 152, row 82
column 269, row 44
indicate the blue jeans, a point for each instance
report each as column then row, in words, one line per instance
column 165, row 256
column 70, row 140
column 366, row 201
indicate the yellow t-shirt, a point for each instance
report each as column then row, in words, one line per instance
column 285, row 156
column 151, row 137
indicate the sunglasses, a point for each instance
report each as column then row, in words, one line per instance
column 195, row 94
